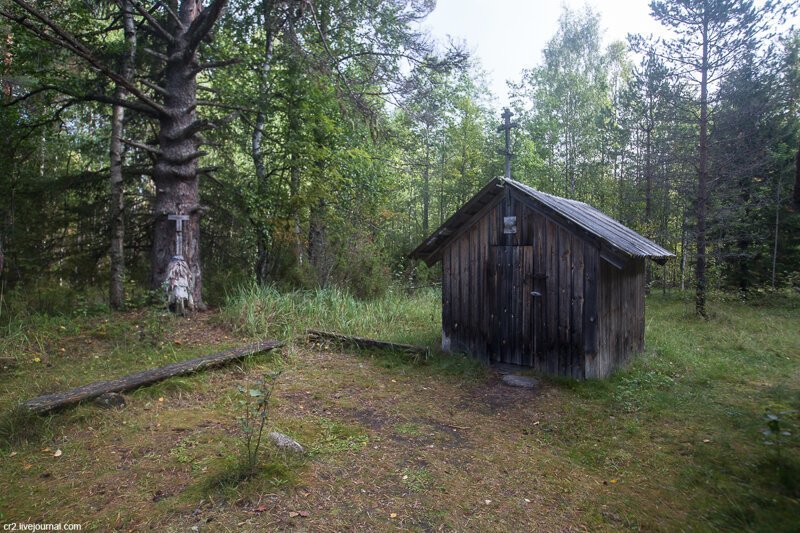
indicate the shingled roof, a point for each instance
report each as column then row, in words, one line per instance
column 614, row 234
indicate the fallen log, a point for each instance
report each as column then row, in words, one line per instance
column 50, row 402
column 363, row 342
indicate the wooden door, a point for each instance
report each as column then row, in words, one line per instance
column 510, row 286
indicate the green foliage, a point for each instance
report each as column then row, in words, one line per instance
column 566, row 109
column 344, row 156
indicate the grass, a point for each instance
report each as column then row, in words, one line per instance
column 399, row 317
column 671, row 442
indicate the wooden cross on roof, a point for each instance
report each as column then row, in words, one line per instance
column 506, row 127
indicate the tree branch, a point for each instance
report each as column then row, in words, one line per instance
column 25, row 96
column 208, row 170
column 66, row 40
column 157, row 55
column 157, row 88
column 139, row 107
column 151, row 149
column 195, row 127
column 203, row 24
column 137, row 170
column 185, row 159
column 208, row 103
column 215, row 64
column 171, row 13
column 152, row 22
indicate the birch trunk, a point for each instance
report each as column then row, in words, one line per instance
column 116, row 292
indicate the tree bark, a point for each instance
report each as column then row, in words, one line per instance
column 648, row 195
column 683, row 250
column 648, row 168
column 116, row 292
column 294, row 190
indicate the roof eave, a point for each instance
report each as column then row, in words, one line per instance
column 430, row 249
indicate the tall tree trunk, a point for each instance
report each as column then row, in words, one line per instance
column 294, row 127
column 441, row 190
column 648, row 197
column 262, row 257
column 648, row 168
column 175, row 172
column 665, row 217
column 777, row 227
column 316, row 241
column 702, row 183
column 743, row 241
column 116, row 291
column 257, row 153
column 294, row 191
column 683, row 251
column 426, row 186
column 258, row 138
column 796, row 196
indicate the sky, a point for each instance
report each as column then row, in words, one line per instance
column 509, row 35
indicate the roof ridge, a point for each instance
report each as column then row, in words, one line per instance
column 583, row 215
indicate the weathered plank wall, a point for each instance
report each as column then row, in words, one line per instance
column 488, row 276
column 620, row 333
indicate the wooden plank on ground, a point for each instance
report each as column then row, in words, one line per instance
column 50, row 402
column 363, row 342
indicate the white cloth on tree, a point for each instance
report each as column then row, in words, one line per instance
column 180, row 283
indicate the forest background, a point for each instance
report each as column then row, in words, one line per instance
column 314, row 144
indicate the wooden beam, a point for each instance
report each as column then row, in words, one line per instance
column 614, row 259
column 50, row 402
column 363, row 342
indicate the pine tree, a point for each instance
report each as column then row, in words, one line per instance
column 711, row 38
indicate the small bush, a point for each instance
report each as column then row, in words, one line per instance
column 253, row 421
